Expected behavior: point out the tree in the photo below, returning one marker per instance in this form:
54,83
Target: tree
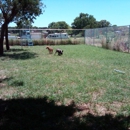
21,24
84,21
103,23
58,25
18,10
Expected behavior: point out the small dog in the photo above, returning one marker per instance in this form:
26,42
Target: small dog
59,51
50,49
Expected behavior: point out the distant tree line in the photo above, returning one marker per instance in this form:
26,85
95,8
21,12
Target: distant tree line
83,21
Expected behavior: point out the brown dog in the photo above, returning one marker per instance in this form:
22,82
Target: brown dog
50,49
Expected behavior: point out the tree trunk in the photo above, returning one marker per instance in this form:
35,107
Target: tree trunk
2,40
6,36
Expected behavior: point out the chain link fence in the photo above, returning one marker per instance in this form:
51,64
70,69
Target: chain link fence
115,38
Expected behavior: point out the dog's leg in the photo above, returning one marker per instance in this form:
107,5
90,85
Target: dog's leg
55,52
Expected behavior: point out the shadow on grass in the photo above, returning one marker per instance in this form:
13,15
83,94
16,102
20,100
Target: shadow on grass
17,83
4,78
20,56
15,50
42,114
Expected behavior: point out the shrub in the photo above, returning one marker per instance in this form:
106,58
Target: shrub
14,42
49,42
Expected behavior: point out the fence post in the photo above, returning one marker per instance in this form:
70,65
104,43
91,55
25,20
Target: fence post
129,40
84,36
106,32
93,36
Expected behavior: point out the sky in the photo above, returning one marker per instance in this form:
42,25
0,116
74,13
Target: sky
117,12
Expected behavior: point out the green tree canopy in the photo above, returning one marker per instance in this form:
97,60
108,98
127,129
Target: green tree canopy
84,21
103,23
23,24
58,25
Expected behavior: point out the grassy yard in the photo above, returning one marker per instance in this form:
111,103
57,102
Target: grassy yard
77,90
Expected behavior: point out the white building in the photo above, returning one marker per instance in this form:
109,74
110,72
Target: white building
58,36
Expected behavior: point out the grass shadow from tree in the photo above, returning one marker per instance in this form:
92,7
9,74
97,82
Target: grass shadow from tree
19,54
42,113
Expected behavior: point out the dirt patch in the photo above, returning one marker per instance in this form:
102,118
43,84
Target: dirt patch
96,109
2,85
7,92
3,77
2,72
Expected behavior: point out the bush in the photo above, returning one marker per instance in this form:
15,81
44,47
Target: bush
49,42
14,42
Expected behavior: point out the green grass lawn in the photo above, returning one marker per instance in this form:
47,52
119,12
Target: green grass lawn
84,75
